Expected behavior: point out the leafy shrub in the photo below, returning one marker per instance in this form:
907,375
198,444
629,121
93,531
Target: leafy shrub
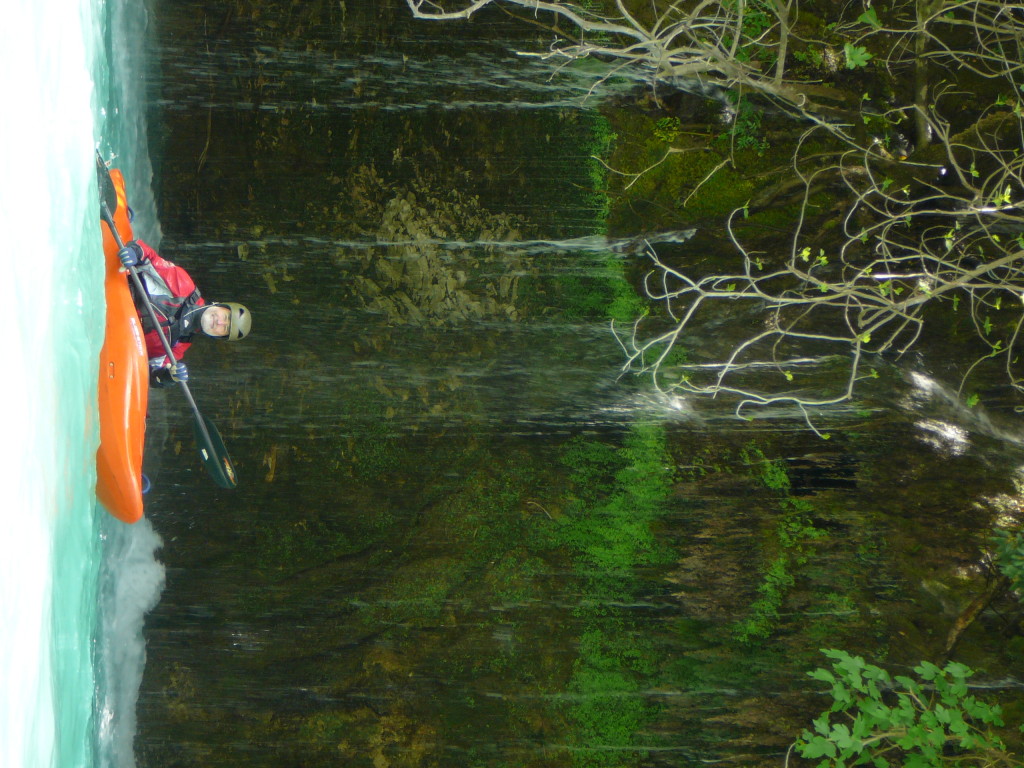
1010,557
883,721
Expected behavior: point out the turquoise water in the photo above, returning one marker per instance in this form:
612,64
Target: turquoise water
74,583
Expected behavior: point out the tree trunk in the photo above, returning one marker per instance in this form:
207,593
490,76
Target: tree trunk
971,612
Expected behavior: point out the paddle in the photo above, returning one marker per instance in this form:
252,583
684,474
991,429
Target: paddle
211,448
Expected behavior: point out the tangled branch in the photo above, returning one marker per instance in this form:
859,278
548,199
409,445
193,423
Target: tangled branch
719,45
915,237
935,224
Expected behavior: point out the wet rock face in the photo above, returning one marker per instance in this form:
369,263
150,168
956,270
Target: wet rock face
436,262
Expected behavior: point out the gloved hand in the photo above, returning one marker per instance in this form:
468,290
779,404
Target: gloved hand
179,372
131,255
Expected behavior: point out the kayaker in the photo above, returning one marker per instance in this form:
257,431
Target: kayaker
183,312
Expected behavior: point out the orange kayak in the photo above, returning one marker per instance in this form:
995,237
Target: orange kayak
124,382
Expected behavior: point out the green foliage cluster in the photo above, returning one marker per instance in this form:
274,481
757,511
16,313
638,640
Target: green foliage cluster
776,581
610,524
619,493
606,294
884,721
813,56
610,710
597,143
667,129
794,531
772,474
746,131
626,303
757,19
1010,556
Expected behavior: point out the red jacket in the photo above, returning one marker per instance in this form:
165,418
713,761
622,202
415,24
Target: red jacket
173,295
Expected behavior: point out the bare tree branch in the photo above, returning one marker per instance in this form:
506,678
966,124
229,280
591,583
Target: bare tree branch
939,230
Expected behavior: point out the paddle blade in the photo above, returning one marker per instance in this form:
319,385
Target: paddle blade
213,454
108,194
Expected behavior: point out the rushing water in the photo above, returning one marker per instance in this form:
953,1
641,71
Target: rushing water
68,626
53,295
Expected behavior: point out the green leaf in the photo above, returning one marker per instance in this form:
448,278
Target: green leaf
1004,198
821,725
909,684
823,675
818,746
876,673
846,662
856,56
841,694
959,672
870,18
873,713
842,737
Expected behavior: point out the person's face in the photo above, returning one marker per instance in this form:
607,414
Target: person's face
216,321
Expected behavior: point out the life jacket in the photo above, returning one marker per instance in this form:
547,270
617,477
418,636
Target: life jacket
178,315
